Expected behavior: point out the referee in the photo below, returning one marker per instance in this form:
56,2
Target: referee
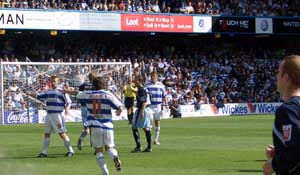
284,155
130,93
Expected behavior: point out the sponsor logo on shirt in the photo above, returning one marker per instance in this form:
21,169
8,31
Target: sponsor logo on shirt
287,132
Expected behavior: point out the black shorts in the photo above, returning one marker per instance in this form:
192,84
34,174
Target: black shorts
129,102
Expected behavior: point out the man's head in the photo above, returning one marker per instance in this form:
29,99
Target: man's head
129,80
54,81
153,76
288,76
92,75
99,83
139,80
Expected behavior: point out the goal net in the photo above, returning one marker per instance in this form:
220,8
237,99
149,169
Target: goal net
21,80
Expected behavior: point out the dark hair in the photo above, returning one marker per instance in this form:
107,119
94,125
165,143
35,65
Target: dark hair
140,78
154,72
98,83
54,77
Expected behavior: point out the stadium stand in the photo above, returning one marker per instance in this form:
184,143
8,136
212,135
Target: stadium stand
210,7
229,70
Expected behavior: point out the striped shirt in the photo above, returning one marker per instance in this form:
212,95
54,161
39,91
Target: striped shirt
99,104
156,92
55,100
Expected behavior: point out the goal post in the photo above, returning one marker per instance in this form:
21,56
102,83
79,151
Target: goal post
21,81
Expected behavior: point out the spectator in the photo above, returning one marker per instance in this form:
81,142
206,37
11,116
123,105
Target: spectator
174,108
18,100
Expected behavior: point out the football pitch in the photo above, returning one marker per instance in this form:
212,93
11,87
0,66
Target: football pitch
190,146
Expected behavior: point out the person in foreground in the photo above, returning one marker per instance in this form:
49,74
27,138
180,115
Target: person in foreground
56,103
141,118
284,155
99,103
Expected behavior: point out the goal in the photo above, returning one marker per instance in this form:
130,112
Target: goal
19,80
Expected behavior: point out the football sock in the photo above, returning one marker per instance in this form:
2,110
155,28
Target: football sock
156,134
46,145
68,144
136,136
112,152
101,163
83,134
148,138
130,116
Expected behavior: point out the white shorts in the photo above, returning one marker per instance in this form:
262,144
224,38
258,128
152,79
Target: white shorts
101,137
156,111
55,123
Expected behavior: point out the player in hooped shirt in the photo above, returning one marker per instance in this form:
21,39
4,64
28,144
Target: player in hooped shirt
99,103
157,93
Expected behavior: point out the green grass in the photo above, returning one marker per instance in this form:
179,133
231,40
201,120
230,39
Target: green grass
190,146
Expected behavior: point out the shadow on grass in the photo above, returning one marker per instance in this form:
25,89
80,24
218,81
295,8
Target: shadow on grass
242,170
250,171
238,170
50,156
32,157
249,161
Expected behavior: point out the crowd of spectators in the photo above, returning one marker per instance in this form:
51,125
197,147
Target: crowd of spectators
22,82
210,72
210,7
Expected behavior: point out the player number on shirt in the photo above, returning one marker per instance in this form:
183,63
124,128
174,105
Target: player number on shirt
96,106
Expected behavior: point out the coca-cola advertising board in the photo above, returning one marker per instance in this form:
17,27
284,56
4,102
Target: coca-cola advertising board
18,117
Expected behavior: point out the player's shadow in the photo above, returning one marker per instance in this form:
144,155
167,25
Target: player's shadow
237,170
50,156
249,171
250,160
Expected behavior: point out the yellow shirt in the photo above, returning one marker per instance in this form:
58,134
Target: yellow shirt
130,90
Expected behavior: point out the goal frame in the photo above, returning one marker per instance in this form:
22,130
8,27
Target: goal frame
2,64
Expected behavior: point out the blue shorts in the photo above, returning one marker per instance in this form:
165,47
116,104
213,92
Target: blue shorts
84,114
137,122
